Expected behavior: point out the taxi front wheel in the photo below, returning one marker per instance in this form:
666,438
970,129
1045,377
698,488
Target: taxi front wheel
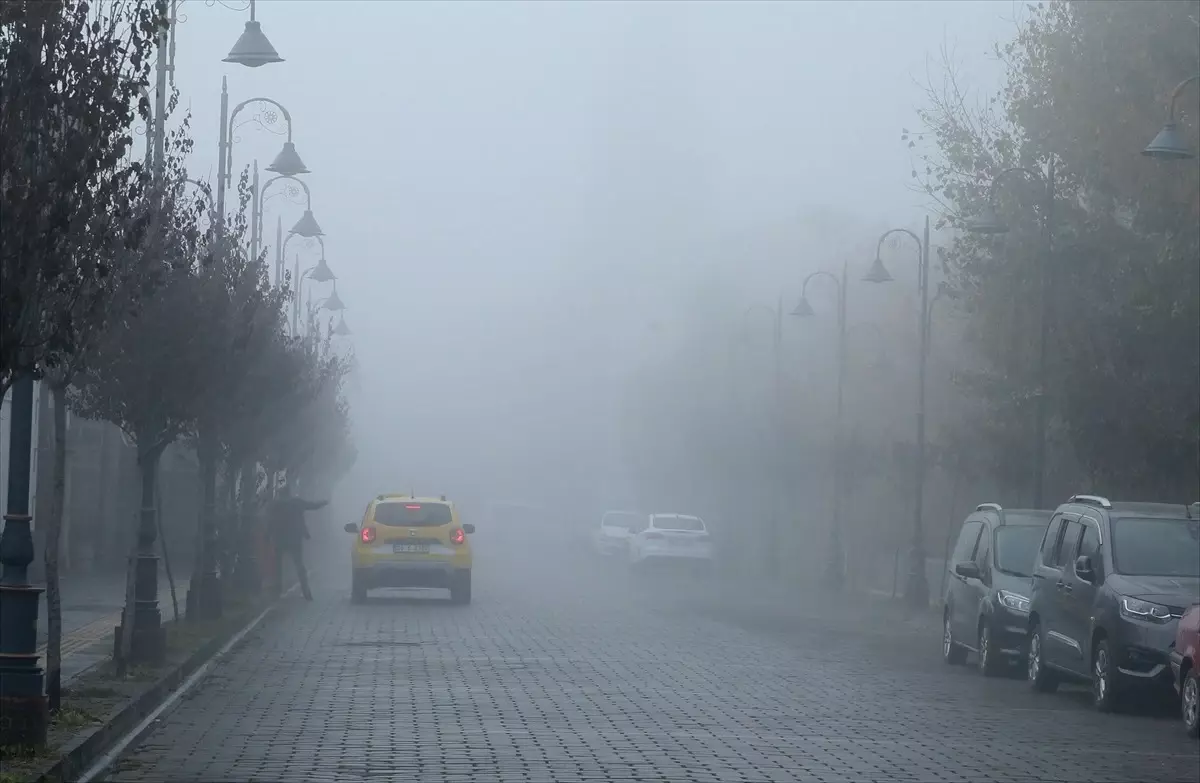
460,587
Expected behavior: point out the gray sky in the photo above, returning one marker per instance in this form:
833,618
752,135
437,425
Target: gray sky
512,191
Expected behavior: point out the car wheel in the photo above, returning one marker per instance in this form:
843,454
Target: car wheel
1190,703
989,662
358,589
460,588
1106,693
1040,678
953,653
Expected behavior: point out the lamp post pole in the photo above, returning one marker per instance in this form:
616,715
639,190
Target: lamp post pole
22,680
917,586
835,566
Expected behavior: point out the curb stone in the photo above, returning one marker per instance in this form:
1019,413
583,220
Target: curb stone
81,753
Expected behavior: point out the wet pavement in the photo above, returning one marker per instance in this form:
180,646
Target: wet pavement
583,674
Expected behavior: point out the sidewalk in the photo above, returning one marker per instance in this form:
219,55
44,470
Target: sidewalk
91,609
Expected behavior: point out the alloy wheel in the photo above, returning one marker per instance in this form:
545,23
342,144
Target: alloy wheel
1100,676
1035,656
1191,702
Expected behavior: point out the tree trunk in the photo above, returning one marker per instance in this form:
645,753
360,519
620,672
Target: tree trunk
53,538
99,529
162,540
203,590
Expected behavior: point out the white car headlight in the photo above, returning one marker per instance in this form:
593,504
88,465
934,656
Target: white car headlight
1144,610
1014,601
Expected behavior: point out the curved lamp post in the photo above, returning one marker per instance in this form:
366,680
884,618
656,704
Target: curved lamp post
917,589
306,226
287,162
836,564
989,222
1168,144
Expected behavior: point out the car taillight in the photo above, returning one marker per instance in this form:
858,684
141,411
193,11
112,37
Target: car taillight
368,535
459,536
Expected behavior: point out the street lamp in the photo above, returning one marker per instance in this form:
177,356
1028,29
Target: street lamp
306,226
320,273
252,48
287,162
1168,144
989,222
341,330
917,591
835,564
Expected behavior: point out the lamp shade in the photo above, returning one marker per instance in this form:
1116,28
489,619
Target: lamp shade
252,48
307,226
803,309
334,302
321,273
1168,145
878,272
287,162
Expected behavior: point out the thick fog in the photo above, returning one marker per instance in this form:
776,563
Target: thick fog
528,203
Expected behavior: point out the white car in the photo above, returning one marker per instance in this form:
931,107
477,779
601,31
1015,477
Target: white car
679,538
612,537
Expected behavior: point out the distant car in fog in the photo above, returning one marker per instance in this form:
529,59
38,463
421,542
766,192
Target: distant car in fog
407,541
616,529
666,538
986,604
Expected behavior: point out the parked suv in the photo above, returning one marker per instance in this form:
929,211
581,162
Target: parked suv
986,604
1109,586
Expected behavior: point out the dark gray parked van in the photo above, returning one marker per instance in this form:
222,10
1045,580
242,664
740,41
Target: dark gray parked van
986,604
1108,589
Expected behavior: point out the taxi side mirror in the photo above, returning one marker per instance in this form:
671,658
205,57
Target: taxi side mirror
468,528
350,527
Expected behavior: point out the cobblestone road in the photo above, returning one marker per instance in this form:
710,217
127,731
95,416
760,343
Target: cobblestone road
555,678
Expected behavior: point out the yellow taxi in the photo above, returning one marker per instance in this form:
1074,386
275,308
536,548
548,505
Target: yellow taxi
407,541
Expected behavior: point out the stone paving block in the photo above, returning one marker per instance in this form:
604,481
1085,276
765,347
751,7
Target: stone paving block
584,675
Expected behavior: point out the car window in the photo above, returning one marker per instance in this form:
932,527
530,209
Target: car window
410,514
1156,547
679,523
1050,542
964,550
1017,548
983,551
1065,552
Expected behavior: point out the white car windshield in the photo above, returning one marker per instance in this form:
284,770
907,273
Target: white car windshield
678,523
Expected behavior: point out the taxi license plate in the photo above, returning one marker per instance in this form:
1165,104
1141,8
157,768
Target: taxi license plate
410,549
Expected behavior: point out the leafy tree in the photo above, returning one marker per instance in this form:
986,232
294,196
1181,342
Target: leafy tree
245,318
1086,83
71,78
146,371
